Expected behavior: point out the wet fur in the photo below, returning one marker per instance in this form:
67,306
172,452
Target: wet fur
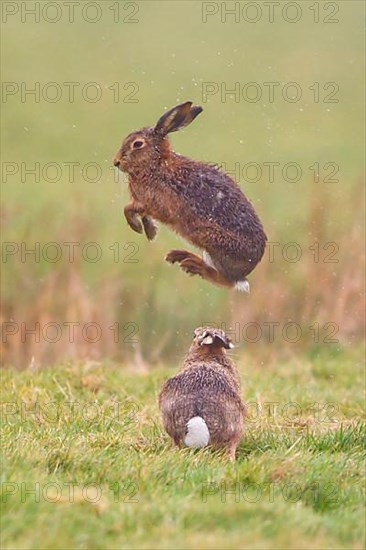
208,386
198,201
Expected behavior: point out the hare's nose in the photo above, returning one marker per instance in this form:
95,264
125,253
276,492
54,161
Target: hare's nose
116,162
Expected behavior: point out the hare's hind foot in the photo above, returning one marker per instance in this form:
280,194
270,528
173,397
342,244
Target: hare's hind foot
177,256
231,453
194,265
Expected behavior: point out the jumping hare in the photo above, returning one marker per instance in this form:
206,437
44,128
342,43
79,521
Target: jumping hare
201,405
197,200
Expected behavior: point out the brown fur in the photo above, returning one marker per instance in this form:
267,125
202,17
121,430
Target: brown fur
208,386
197,200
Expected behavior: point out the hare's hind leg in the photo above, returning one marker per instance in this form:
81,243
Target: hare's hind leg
231,270
231,452
194,265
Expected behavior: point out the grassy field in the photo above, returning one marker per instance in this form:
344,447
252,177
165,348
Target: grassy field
92,468
87,465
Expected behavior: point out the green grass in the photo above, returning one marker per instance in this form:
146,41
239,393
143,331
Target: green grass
298,481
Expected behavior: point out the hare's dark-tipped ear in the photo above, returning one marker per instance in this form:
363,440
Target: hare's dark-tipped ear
176,118
225,341
215,337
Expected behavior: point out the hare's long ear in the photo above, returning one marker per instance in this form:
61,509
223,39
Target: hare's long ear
225,342
176,118
216,337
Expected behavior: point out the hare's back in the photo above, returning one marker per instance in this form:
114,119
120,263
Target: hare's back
212,196
205,392
197,390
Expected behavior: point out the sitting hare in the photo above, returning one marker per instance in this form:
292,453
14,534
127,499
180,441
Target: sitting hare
201,405
196,199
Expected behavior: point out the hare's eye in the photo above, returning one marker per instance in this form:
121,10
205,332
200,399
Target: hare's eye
137,144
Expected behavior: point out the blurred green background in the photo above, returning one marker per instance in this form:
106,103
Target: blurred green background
168,54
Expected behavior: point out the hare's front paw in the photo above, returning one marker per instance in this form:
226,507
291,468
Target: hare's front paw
131,215
150,228
135,224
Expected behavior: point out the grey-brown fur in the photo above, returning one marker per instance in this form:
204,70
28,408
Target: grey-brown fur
207,386
197,200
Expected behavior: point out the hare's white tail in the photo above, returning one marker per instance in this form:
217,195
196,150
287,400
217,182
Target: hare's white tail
243,286
197,433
